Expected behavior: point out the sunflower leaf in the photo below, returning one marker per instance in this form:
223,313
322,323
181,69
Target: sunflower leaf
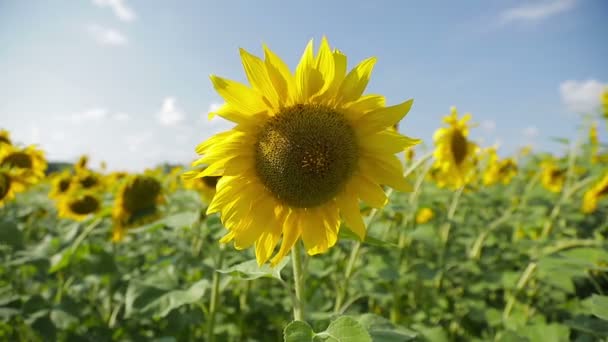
250,270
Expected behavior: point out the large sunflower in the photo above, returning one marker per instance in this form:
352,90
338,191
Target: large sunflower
11,182
29,160
306,147
79,204
136,203
455,155
593,195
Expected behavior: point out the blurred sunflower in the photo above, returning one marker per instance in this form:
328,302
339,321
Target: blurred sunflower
454,153
82,163
5,137
205,186
552,177
29,161
424,215
11,182
173,179
306,148
594,194
499,170
79,204
60,184
136,203
604,99
87,179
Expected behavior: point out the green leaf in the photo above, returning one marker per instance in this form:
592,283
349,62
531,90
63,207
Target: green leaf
10,234
348,234
249,270
148,300
298,331
382,330
546,332
599,306
346,329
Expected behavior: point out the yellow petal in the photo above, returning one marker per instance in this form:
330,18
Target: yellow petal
350,211
385,169
279,75
308,80
239,97
381,119
369,192
363,105
258,77
356,81
326,68
387,142
291,233
319,228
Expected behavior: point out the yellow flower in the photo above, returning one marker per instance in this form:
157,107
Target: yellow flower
60,184
87,179
594,142
29,161
205,186
81,164
604,99
524,151
5,137
593,195
11,182
454,153
306,148
136,203
424,215
79,204
499,170
552,177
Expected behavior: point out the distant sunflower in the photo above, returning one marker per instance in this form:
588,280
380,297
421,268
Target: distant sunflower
594,143
604,99
60,184
136,203
5,137
79,204
11,182
552,177
29,161
82,163
306,148
424,215
594,194
205,186
87,179
499,170
454,153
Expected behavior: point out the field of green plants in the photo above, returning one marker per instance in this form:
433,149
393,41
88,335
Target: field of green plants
511,261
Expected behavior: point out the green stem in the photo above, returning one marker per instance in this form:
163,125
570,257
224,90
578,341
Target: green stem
215,295
444,235
298,280
521,284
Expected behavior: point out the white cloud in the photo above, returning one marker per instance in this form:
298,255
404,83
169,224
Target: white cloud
93,114
530,132
108,36
488,126
581,96
537,11
170,114
135,141
119,7
121,117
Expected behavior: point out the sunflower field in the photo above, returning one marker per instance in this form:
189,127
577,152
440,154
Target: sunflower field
313,219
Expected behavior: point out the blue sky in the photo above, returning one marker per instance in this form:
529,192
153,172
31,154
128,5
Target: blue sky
126,81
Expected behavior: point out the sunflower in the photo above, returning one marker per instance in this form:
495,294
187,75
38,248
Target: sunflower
424,215
499,170
29,161
604,99
87,179
136,203
79,204
60,184
552,177
593,195
11,182
82,163
5,137
455,155
307,146
205,186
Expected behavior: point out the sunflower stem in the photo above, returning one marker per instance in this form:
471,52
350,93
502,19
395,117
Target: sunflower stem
215,295
444,235
298,280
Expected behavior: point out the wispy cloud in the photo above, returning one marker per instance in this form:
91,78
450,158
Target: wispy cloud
119,7
170,114
537,11
107,36
96,114
581,96
488,126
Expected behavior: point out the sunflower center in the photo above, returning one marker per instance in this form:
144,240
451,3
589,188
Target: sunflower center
141,194
458,146
4,139
89,181
305,155
84,205
5,185
18,159
63,185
